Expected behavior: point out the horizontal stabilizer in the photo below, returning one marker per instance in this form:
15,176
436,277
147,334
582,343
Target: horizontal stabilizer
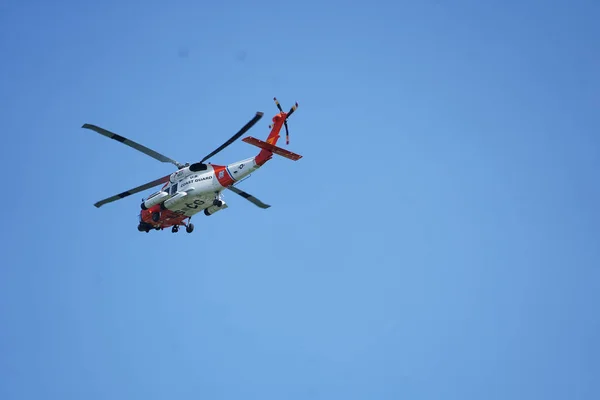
273,149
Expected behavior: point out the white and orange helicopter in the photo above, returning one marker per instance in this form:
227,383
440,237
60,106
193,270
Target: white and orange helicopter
198,187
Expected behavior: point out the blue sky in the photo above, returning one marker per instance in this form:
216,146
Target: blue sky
439,239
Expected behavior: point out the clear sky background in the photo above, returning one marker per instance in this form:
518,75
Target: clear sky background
439,240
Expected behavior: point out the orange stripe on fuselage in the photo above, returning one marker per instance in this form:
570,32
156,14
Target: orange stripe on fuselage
222,175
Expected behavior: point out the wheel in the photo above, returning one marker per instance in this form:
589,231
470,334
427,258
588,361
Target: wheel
189,228
155,216
217,203
175,229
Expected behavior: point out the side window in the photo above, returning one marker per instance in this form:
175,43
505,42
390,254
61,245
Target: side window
173,189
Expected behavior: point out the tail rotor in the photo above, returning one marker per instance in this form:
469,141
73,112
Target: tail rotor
269,147
287,132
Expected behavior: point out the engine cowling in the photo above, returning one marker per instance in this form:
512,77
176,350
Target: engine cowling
154,199
213,209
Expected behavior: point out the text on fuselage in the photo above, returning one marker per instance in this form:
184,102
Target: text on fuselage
196,180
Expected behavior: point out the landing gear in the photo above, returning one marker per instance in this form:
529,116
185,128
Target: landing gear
217,201
189,228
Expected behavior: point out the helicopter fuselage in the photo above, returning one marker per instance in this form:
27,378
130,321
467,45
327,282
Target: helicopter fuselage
190,190
199,186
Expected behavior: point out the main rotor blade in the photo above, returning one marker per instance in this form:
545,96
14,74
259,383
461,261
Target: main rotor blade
244,129
129,192
248,197
132,144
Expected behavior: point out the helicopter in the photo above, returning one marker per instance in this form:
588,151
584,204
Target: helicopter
198,186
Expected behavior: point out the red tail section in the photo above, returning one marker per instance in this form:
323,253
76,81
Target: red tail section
278,121
270,146
265,153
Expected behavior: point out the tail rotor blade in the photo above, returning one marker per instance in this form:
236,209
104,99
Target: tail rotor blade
287,133
294,108
277,103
